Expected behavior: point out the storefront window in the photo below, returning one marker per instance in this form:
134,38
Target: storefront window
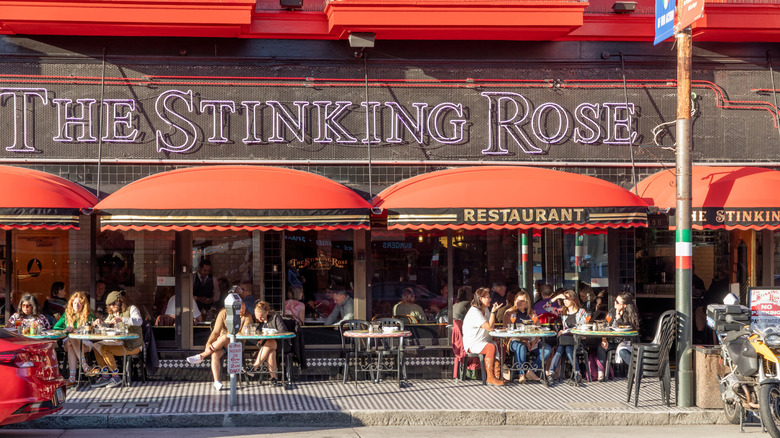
220,260
408,259
418,259
318,261
40,258
140,263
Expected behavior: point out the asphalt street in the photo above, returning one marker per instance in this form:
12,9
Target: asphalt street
694,431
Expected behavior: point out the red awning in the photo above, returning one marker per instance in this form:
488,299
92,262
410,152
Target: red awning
740,198
37,200
500,197
235,197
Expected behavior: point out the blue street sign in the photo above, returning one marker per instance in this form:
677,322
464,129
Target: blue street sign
664,20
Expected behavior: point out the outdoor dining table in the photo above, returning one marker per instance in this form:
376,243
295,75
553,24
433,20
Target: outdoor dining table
97,337
508,335
49,334
609,332
380,334
263,336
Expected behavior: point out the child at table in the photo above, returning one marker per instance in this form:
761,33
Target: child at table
623,314
76,315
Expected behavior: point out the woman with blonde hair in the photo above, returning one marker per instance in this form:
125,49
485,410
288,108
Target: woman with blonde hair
572,315
523,311
76,315
479,321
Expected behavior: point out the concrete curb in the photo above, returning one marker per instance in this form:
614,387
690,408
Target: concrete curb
358,418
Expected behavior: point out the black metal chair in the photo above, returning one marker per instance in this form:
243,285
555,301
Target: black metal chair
391,347
348,350
406,319
652,360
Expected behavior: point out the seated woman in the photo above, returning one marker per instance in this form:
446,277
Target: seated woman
218,340
27,313
573,314
118,311
624,314
269,319
294,306
76,315
524,312
479,321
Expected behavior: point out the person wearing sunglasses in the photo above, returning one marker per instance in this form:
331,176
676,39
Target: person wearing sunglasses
28,313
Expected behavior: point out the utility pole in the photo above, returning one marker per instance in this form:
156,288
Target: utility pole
683,241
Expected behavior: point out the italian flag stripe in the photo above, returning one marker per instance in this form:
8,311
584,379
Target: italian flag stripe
683,250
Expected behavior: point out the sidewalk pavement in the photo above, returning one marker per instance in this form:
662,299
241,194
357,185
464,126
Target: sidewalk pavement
446,402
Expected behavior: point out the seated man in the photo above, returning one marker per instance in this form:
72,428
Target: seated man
106,351
546,305
408,307
344,310
217,341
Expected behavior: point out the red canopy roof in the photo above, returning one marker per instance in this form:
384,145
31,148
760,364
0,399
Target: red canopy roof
37,200
493,197
234,197
722,197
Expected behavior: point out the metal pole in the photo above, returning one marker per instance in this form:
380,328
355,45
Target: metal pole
524,260
450,278
100,123
631,146
577,260
774,90
368,130
683,241
9,270
233,397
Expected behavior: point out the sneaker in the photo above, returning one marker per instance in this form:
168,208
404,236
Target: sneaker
101,382
521,379
114,382
217,385
196,359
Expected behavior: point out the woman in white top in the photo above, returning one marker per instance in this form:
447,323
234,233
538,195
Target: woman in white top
480,320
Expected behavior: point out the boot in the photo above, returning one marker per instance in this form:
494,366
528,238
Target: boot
497,370
490,371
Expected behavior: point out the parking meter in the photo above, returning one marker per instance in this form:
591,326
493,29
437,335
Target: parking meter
233,312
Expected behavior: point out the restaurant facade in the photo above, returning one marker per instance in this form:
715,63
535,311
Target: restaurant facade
433,165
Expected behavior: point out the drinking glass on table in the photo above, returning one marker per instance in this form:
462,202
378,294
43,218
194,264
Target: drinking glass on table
609,319
513,318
